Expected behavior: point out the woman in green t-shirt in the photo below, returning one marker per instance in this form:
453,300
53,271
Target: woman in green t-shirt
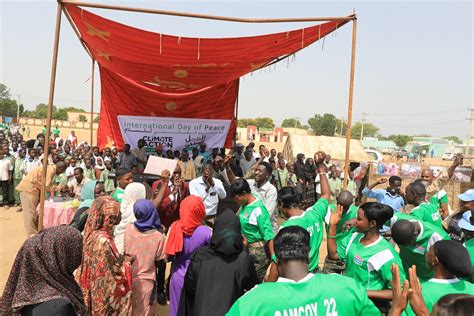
256,225
368,255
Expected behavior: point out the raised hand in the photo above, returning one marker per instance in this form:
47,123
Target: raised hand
319,157
227,160
336,216
400,296
165,176
417,302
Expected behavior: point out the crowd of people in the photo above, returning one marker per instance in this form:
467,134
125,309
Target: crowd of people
402,252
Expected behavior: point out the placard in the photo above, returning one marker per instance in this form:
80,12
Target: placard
173,133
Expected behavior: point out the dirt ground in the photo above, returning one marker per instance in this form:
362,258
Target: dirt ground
12,237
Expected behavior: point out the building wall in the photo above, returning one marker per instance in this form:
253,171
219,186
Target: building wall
82,130
74,116
277,135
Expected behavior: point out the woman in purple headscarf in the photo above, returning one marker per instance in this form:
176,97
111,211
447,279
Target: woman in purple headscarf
146,244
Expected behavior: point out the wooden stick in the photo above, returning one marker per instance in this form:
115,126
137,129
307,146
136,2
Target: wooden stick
76,30
92,102
236,115
50,115
203,16
349,110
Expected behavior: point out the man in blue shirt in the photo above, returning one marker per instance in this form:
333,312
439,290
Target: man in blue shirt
390,196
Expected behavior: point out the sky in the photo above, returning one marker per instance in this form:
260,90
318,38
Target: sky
413,75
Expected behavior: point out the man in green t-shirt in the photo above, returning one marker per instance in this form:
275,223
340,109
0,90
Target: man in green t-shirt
255,225
312,219
415,194
415,238
123,177
298,292
346,201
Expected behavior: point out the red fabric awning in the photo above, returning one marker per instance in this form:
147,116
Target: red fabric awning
150,74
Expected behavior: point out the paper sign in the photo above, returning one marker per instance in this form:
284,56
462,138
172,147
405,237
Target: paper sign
156,165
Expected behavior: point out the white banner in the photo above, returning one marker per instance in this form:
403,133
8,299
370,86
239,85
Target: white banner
173,133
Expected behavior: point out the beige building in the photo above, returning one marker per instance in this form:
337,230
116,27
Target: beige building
74,116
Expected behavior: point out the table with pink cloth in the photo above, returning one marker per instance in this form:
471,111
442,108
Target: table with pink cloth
57,213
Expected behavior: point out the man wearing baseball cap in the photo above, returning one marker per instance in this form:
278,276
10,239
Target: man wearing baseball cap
466,203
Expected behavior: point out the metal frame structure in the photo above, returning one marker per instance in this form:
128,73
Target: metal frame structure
60,9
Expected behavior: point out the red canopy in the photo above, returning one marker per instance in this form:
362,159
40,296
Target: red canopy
150,74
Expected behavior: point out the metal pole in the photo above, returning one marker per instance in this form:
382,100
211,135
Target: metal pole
50,114
351,95
362,129
92,102
204,16
468,140
74,27
236,117
18,110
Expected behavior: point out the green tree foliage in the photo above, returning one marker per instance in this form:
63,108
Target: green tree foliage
400,140
260,122
82,118
370,130
454,139
8,106
324,124
96,119
291,122
41,112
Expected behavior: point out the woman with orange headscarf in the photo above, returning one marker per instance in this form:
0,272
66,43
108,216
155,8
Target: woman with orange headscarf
184,237
104,276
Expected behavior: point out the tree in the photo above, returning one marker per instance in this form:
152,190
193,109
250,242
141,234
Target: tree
370,130
400,140
82,118
41,112
454,139
291,122
8,107
61,113
324,124
259,122
96,119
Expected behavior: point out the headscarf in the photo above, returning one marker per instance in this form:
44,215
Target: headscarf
310,169
226,237
191,213
133,192
97,166
454,257
104,279
146,215
88,194
43,271
101,214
